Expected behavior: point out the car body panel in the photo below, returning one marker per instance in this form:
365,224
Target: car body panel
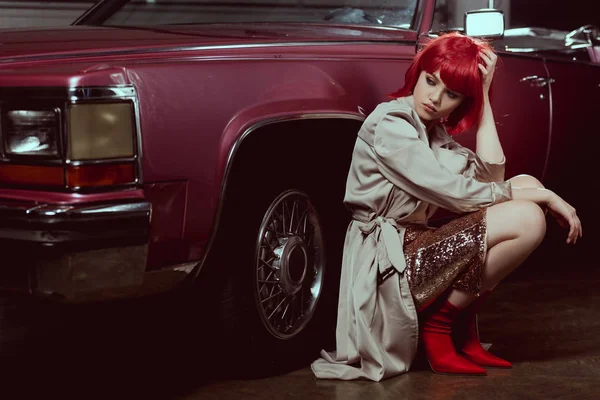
576,133
201,88
523,125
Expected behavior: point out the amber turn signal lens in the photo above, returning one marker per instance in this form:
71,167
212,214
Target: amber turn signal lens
100,175
32,175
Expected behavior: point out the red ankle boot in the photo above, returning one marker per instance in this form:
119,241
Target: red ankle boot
439,348
467,337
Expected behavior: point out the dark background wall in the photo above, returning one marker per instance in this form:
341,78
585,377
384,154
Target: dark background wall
558,14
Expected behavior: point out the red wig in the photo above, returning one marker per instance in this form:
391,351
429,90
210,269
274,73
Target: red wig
456,57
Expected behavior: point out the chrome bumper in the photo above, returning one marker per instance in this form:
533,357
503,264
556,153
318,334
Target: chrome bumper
74,253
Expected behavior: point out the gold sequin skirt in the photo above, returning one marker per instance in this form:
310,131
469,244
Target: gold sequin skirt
449,256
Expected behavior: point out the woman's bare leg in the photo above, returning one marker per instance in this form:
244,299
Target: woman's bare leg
514,229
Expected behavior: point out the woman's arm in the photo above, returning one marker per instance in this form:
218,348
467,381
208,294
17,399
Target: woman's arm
526,187
539,196
408,162
526,181
488,145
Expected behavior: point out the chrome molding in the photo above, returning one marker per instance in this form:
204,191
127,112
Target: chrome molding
106,209
73,211
97,93
67,93
51,225
551,121
234,149
392,41
75,95
418,16
92,162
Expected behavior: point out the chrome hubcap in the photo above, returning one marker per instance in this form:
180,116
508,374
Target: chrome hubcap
290,264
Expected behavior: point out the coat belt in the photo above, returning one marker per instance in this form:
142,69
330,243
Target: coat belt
387,234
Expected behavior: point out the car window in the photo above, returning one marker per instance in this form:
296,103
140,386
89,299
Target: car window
396,13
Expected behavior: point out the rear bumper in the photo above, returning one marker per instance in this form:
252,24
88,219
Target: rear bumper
74,253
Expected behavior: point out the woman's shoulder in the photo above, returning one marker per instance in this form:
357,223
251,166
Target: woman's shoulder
402,107
393,120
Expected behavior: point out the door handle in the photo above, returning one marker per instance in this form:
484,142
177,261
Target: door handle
537,81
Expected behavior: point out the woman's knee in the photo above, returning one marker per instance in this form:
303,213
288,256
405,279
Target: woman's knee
532,220
526,181
516,219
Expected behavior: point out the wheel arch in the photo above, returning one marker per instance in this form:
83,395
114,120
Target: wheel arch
256,134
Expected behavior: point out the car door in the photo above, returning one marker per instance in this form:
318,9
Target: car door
575,132
521,108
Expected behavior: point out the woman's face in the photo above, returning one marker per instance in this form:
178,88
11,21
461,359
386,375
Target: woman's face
433,100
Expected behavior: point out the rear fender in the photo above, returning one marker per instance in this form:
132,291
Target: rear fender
252,124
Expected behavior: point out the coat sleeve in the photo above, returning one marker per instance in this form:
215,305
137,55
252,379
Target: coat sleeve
478,168
408,162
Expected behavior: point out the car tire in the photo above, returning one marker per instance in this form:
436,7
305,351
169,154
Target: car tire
273,271
271,166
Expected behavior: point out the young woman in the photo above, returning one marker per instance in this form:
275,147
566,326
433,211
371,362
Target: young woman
397,272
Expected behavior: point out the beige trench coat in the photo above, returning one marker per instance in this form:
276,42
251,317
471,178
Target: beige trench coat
399,175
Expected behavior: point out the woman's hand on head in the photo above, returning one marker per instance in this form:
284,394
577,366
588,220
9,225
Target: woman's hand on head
566,216
489,58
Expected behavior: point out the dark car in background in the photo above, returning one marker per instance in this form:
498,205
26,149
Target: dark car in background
159,145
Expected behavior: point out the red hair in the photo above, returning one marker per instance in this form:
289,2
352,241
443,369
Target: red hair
456,56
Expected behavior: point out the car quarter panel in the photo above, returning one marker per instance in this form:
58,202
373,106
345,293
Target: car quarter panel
195,102
193,110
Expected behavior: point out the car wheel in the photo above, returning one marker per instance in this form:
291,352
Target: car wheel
270,261
288,265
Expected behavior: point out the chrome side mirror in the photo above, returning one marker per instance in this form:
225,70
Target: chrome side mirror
487,22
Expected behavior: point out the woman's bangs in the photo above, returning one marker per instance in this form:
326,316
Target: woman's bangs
460,77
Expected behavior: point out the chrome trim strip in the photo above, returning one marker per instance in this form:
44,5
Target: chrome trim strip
75,226
551,121
231,155
98,210
74,211
94,162
27,161
138,143
104,189
68,93
418,16
394,42
95,93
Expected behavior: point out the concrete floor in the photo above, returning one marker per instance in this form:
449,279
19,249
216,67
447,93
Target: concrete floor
548,328
544,319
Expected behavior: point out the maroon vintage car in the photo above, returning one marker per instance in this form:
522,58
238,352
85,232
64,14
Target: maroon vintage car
156,145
